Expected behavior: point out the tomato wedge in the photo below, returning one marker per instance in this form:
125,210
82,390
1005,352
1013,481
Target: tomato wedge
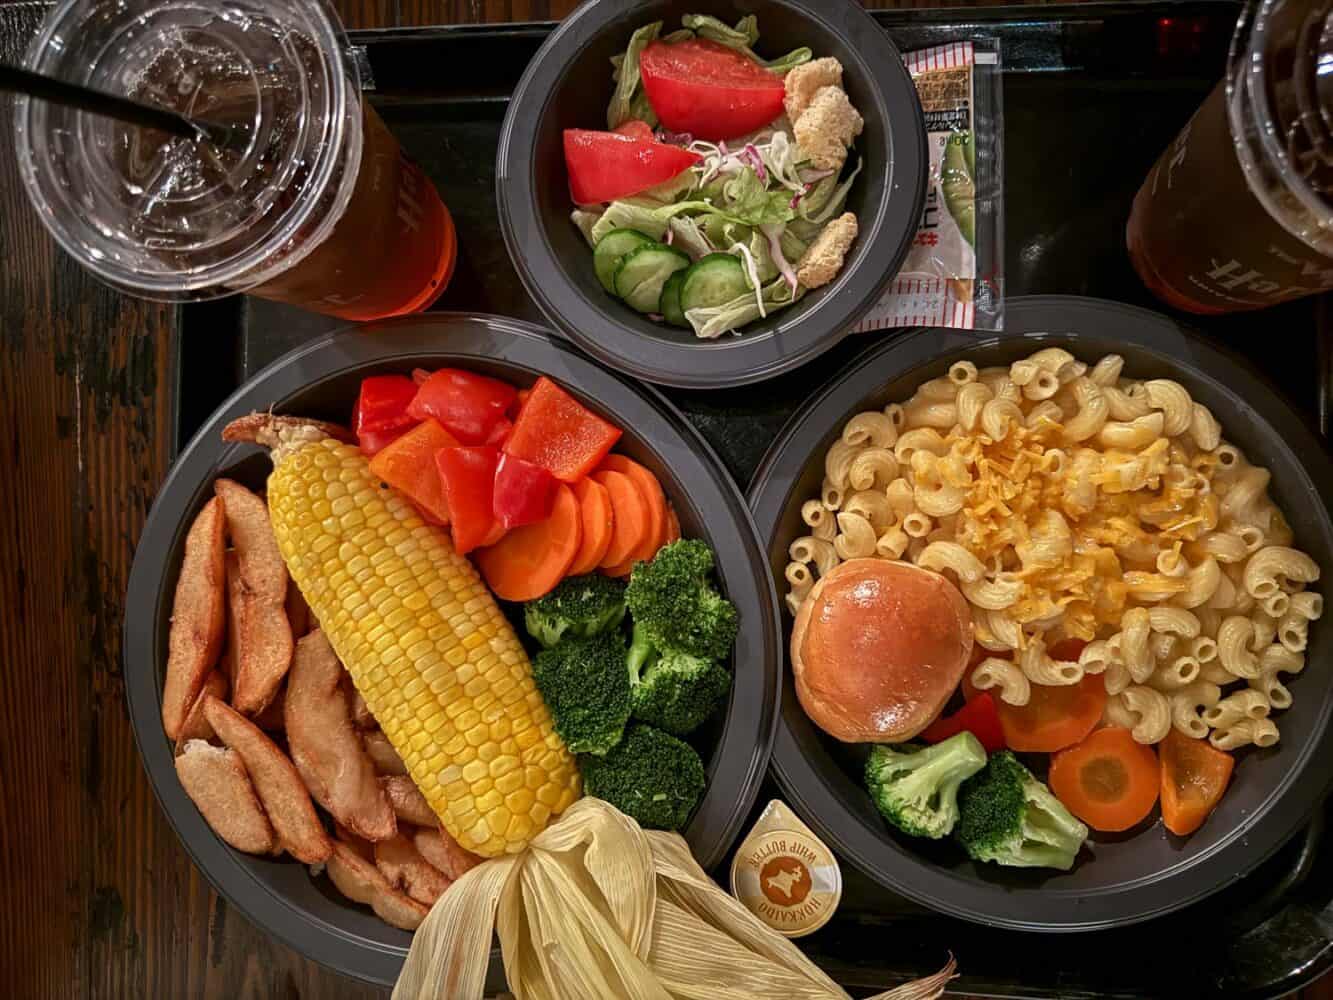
604,166
1194,776
636,129
709,90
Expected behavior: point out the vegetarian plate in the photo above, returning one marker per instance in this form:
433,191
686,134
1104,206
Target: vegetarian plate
1051,620
405,640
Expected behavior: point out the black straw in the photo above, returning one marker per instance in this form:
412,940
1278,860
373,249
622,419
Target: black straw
112,106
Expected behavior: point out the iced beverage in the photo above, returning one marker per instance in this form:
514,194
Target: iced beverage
1236,214
316,206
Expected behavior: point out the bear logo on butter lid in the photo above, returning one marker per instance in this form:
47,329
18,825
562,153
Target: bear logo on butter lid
785,875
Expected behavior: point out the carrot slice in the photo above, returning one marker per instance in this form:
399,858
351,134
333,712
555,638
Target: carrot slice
408,464
630,519
598,522
1055,717
1194,776
1109,781
653,496
673,526
530,560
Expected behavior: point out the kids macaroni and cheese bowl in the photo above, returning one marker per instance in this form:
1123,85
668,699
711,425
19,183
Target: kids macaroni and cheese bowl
1281,754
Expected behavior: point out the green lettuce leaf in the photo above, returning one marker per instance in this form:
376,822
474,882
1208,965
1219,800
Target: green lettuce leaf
749,200
713,321
622,107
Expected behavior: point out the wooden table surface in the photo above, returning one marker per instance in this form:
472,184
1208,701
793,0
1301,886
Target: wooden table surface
100,898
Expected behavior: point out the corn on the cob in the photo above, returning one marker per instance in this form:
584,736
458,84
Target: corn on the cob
425,643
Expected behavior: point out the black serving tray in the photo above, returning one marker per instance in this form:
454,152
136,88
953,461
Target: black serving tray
1092,94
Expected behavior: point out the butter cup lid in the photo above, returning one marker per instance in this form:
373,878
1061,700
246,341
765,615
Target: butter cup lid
785,875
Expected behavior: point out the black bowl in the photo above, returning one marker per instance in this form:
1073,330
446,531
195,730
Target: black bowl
568,85
321,380
1121,878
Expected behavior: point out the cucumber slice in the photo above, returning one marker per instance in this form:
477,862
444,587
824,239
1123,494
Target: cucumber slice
669,307
643,272
712,281
610,249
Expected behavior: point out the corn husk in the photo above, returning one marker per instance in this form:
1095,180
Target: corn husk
597,907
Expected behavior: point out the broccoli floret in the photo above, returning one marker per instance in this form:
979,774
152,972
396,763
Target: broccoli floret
586,687
580,606
1009,817
677,608
916,788
673,690
650,775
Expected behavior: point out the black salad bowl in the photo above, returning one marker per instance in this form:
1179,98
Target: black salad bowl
568,84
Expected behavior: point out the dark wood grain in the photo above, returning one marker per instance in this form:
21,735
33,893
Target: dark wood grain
100,898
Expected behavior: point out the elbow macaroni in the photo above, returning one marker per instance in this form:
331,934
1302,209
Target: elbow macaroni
1070,502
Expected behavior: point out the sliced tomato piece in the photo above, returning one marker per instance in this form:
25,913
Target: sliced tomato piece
636,129
604,166
709,90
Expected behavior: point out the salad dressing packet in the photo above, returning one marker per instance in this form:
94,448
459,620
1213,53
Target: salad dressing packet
952,275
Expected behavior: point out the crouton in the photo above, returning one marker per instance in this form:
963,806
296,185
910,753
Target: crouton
823,259
827,127
803,81
216,781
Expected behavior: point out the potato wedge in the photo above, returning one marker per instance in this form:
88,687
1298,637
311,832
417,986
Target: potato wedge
360,881
195,726
326,748
280,788
409,872
298,612
216,781
235,611
361,845
382,753
409,805
445,853
360,710
198,616
264,640
272,718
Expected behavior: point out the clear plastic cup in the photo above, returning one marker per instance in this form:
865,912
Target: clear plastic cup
1238,212
321,209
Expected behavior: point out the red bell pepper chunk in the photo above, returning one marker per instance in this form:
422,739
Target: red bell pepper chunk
499,433
380,415
709,90
524,493
604,166
468,476
557,432
977,716
408,465
466,404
